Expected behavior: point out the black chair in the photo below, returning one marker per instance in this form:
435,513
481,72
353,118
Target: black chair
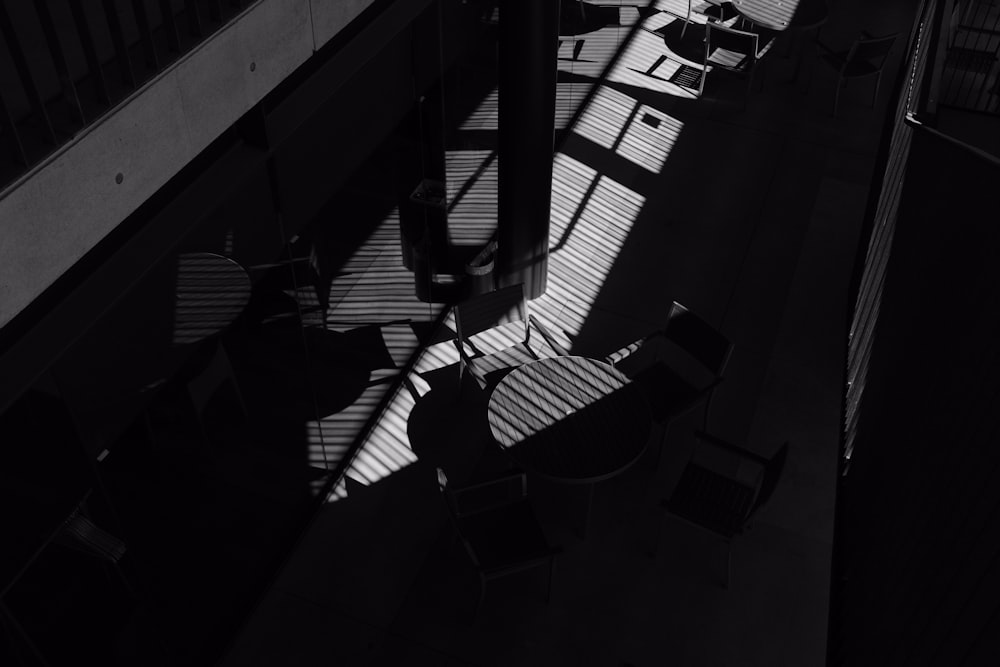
80,533
716,11
498,528
865,57
504,347
723,487
734,51
677,368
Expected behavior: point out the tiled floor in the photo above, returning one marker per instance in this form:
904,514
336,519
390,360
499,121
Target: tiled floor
750,217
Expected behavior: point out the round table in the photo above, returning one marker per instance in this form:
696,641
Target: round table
153,334
570,419
211,291
783,14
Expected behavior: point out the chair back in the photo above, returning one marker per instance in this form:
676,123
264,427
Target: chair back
729,39
772,474
82,534
697,338
486,311
216,371
470,500
872,50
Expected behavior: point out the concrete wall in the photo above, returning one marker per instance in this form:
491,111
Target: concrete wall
61,209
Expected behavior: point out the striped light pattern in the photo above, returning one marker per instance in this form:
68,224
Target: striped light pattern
211,292
591,218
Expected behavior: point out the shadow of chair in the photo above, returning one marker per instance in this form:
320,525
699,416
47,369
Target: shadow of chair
734,51
677,368
500,323
865,57
498,528
722,487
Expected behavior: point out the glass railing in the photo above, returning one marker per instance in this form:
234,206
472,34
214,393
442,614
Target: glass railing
65,63
961,80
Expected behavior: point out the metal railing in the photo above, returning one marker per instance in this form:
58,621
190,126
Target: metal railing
64,63
967,63
870,269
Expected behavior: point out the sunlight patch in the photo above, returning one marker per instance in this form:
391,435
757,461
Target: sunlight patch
595,219
605,116
586,55
649,138
387,447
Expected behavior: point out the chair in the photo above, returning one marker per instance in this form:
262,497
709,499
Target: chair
217,371
677,368
498,528
490,313
717,11
735,51
80,533
723,487
865,57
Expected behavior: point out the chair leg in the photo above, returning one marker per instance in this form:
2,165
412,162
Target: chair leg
482,596
659,448
9,621
729,564
687,21
121,577
590,506
552,570
836,96
878,82
656,538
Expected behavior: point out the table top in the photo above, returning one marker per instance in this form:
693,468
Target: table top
211,292
784,14
570,419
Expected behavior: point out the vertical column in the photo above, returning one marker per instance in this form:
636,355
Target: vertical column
529,41
423,215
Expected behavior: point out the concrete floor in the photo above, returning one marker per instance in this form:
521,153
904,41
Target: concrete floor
748,216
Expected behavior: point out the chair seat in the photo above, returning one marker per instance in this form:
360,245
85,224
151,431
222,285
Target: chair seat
711,500
855,68
82,534
667,393
505,536
730,60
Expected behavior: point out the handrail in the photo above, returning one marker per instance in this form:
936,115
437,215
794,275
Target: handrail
941,20
914,122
